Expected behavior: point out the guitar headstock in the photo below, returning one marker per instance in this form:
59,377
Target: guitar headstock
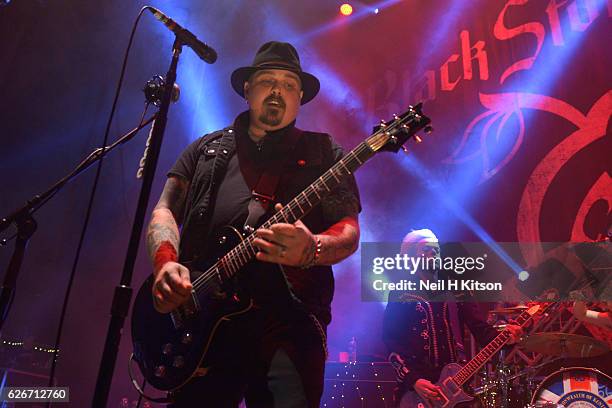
391,135
533,310
540,308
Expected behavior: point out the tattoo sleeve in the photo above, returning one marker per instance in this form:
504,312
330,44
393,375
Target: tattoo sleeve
339,204
163,230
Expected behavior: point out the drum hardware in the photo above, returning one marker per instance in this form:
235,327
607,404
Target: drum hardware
531,370
500,326
564,344
563,388
503,372
501,388
509,310
519,385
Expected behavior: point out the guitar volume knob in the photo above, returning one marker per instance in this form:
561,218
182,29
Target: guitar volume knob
178,362
160,371
187,338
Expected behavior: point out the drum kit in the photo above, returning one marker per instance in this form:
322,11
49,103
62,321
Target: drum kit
508,385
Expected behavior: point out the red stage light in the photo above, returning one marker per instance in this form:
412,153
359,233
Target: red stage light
346,9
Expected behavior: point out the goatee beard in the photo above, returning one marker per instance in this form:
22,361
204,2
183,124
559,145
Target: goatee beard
271,117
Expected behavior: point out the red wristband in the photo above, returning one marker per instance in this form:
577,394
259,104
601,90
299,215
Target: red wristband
165,253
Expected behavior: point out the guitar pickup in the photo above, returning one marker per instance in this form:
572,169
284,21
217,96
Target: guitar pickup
188,309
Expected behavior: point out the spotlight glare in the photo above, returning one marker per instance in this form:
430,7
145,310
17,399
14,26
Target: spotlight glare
346,9
376,10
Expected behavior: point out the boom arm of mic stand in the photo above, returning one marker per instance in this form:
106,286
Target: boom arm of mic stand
34,203
26,225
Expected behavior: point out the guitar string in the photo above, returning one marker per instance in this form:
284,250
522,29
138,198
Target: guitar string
199,283
247,244
206,280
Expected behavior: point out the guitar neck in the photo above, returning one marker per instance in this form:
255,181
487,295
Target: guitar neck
475,364
312,195
387,136
297,208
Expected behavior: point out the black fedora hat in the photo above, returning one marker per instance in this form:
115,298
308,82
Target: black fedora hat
277,55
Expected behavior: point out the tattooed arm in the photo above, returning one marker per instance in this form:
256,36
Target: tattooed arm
295,245
339,241
166,218
172,285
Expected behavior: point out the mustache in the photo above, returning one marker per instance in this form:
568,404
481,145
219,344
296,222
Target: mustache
273,98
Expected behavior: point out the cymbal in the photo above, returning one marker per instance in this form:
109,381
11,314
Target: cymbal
509,310
564,344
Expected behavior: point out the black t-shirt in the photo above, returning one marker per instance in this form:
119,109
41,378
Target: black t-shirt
304,157
232,198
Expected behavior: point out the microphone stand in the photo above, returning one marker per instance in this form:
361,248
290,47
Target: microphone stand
26,225
123,293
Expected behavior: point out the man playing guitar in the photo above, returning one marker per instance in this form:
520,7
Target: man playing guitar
271,356
420,334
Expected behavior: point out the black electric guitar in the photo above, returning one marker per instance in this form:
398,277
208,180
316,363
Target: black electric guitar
172,348
454,376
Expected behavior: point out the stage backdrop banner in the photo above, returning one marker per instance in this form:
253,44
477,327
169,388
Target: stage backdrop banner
520,97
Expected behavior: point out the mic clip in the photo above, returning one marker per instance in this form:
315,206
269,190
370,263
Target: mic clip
154,89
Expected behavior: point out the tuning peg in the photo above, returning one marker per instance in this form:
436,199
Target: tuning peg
418,138
383,123
428,129
395,116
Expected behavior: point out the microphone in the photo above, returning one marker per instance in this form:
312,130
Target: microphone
204,51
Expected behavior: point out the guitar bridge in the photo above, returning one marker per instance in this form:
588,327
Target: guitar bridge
177,318
193,305
451,386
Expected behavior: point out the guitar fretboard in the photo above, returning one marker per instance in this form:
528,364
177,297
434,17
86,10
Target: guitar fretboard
487,352
241,254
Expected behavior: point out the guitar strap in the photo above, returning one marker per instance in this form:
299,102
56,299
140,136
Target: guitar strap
453,312
263,193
